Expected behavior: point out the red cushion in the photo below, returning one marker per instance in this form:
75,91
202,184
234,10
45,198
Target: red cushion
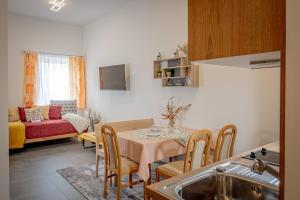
55,112
22,114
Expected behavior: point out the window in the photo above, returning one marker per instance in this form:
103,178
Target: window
53,79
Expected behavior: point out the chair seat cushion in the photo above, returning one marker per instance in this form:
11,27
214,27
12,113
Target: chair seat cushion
128,166
173,168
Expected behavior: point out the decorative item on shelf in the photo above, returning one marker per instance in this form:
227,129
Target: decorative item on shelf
180,83
176,53
169,82
183,61
158,74
168,73
172,112
159,56
163,64
183,50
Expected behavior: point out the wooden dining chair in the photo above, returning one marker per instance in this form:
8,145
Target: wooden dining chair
118,126
99,147
225,143
196,156
115,165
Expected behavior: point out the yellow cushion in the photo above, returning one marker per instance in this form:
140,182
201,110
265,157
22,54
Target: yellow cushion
13,115
89,136
173,168
16,135
45,111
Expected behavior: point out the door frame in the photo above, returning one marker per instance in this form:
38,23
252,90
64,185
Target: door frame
282,103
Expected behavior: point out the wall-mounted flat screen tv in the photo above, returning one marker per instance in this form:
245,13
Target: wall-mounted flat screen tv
115,77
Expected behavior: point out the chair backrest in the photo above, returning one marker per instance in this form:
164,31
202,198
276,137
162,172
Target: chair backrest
196,155
130,125
225,143
111,148
99,140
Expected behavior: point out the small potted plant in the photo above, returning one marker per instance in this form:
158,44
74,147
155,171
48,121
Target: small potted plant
159,56
159,73
176,53
172,112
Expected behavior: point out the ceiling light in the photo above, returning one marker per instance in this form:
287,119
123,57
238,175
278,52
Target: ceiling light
56,5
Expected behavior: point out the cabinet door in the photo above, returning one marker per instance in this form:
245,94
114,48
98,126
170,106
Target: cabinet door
222,28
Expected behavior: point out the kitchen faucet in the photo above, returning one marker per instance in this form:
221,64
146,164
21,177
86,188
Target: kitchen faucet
259,166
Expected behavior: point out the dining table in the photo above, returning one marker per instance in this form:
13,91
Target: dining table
147,151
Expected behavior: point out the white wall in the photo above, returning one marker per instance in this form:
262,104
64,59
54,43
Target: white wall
135,34
292,136
31,34
4,172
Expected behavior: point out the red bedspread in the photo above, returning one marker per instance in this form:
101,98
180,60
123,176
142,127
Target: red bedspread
48,128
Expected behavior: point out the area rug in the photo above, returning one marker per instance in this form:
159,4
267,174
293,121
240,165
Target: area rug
84,180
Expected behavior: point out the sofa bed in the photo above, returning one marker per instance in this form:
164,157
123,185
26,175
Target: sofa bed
46,123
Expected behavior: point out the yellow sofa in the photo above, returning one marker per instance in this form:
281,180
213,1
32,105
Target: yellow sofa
16,135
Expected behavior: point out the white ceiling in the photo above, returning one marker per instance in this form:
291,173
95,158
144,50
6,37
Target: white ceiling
77,12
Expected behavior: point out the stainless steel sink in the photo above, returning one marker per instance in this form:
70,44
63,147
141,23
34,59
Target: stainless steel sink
220,186
228,181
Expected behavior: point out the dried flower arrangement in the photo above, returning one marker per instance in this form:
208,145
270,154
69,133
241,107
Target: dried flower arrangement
172,112
183,49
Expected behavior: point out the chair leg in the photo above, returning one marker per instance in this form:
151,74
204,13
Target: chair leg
118,181
97,165
145,195
150,173
130,180
105,183
157,175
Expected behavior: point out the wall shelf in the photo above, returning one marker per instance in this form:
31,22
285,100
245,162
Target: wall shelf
176,72
175,67
172,77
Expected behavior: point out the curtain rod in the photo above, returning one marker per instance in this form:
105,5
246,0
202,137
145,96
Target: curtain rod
50,53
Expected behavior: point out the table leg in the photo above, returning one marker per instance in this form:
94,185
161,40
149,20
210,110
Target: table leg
150,173
83,143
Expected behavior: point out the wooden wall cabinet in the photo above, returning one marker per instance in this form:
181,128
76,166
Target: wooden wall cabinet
223,28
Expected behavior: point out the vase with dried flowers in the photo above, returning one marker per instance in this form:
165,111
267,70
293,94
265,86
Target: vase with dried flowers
183,50
172,112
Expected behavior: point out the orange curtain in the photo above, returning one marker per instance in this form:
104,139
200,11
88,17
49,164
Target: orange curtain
77,80
30,67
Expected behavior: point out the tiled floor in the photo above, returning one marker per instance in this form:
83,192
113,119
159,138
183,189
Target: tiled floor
33,173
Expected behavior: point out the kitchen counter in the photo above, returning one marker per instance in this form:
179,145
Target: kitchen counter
153,192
